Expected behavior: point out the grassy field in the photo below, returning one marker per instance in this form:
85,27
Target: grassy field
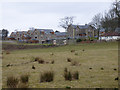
95,56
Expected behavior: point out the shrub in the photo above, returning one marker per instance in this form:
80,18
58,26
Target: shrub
102,68
76,75
69,59
67,87
41,61
12,82
78,40
116,78
37,58
65,70
68,75
83,50
47,76
24,78
8,65
52,62
90,68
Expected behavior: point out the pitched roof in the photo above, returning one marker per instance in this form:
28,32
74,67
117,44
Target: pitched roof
60,33
47,31
83,26
80,26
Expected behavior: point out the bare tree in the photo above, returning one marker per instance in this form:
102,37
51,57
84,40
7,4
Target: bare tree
66,21
96,21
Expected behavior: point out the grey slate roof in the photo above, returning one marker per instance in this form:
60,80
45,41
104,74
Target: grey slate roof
80,26
60,33
47,31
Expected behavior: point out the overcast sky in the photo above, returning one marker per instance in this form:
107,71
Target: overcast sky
46,15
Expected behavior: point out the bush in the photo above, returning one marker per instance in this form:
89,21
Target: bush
69,59
52,62
12,82
67,87
78,40
24,78
68,76
76,75
47,76
41,61
65,70
37,59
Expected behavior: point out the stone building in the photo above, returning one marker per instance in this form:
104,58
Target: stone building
81,31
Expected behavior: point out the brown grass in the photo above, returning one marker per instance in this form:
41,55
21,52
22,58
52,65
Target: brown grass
72,50
47,76
12,82
76,75
24,78
75,63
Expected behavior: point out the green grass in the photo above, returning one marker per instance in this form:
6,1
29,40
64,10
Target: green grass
95,56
